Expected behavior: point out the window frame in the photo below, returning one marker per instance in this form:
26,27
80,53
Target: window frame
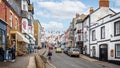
11,20
93,35
115,31
86,36
103,34
116,51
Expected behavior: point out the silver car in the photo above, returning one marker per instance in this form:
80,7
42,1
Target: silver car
74,52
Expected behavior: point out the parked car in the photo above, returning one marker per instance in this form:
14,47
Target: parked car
58,50
66,50
74,52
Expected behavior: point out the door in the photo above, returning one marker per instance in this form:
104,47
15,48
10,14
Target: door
103,52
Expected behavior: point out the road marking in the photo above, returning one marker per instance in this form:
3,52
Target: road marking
51,64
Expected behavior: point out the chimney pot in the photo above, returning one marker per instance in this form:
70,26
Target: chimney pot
104,3
91,10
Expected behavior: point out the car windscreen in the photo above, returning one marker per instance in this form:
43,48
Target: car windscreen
75,49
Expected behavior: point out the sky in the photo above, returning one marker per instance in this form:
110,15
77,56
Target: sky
55,15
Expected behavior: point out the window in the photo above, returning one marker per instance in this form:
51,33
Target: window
117,50
24,6
10,19
2,37
93,35
103,32
94,51
16,26
117,28
85,36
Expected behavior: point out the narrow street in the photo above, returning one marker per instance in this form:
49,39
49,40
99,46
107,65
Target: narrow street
31,31
61,60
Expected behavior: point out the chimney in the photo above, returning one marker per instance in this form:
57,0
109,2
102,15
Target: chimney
91,10
104,3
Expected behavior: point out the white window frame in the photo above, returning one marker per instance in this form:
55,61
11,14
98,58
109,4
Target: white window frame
16,26
117,28
116,51
93,35
85,36
24,7
103,32
11,19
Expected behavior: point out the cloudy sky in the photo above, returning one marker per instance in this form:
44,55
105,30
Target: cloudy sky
56,15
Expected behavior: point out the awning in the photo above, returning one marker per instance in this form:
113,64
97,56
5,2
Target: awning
20,36
32,37
32,41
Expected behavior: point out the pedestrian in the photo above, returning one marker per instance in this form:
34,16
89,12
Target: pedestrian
8,54
1,53
49,54
13,50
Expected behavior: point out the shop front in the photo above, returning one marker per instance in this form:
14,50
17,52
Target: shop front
21,41
31,44
3,31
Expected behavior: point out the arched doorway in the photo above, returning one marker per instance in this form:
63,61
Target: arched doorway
103,52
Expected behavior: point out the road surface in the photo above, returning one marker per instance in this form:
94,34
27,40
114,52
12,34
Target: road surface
61,60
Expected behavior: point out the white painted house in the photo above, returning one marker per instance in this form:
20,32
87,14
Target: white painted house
104,33
86,37
101,33
105,38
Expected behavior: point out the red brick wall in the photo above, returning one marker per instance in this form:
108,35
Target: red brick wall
5,10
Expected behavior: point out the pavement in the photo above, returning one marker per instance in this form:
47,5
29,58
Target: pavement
102,63
87,58
21,61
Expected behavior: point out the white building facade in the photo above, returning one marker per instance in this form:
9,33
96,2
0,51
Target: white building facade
86,37
105,38
79,35
101,34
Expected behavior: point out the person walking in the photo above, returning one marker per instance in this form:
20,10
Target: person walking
49,54
13,50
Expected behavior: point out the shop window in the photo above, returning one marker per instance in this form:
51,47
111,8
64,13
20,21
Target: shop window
2,37
117,50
